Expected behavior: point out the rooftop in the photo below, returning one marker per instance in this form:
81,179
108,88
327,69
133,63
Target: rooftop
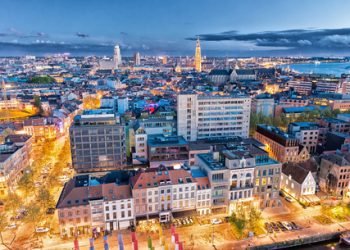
212,163
161,141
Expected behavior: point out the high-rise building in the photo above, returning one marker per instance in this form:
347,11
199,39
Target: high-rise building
97,141
212,116
137,58
198,57
117,57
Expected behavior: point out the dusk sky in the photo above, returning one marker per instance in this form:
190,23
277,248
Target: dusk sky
226,28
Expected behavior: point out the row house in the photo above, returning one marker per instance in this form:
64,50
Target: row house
298,181
47,128
162,192
94,203
334,175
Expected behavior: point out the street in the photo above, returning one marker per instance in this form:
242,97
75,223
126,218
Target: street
44,185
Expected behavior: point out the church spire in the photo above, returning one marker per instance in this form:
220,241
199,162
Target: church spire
198,57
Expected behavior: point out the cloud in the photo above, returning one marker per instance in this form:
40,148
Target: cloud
305,43
335,41
14,33
293,39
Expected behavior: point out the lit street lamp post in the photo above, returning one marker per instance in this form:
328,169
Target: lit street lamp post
212,236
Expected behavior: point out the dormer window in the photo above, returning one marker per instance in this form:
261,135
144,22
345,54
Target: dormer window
243,163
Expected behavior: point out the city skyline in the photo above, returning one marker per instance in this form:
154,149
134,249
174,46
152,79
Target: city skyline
248,28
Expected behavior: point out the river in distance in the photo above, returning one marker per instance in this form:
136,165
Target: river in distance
323,68
328,245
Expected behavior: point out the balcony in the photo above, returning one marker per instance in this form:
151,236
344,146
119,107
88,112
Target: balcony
247,186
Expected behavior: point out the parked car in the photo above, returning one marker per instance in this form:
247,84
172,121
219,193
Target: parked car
50,210
216,221
274,227
295,226
268,227
289,199
287,225
281,226
42,229
11,226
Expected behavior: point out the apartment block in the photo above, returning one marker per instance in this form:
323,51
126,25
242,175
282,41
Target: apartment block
307,133
281,146
212,116
97,141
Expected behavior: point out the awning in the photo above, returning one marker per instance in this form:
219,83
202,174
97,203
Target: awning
311,198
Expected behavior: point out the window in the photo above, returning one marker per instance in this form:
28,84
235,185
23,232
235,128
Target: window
257,182
122,214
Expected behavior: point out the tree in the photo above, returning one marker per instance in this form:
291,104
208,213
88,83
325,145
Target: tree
91,102
3,225
26,184
44,197
255,219
33,214
37,104
42,79
238,221
13,202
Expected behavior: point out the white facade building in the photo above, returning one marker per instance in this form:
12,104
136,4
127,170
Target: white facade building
118,207
297,181
203,196
212,116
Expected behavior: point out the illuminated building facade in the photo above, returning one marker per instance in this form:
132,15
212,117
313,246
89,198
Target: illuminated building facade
198,57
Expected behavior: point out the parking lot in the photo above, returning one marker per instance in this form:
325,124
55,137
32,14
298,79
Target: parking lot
281,226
